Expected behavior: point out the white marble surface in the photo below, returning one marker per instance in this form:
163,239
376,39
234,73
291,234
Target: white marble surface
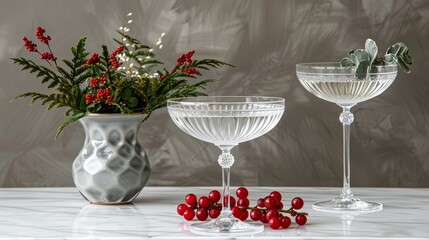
61,213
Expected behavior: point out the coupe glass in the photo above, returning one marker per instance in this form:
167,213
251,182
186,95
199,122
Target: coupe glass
226,122
340,85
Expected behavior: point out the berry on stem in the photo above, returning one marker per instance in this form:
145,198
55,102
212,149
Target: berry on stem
242,192
214,196
204,202
236,212
276,195
189,214
301,219
182,208
297,203
270,202
231,201
261,202
273,213
275,223
243,202
285,222
214,212
256,214
191,200
202,214
244,215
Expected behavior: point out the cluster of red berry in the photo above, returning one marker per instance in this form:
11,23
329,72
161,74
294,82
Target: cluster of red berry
267,210
31,47
44,39
95,81
48,56
40,35
187,57
113,60
95,58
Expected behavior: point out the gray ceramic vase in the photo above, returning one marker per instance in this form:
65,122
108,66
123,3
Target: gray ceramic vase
112,167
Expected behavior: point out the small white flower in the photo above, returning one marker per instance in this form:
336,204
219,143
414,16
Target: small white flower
126,29
121,28
140,59
134,46
129,14
130,21
131,65
131,52
156,74
147,57
128,59
127,44
158,43
124,39
151,50
160,46
138,75
163,34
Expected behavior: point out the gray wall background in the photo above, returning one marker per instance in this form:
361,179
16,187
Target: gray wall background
264,39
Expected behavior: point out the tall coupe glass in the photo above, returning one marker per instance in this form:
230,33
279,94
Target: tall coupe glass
340,85
226,122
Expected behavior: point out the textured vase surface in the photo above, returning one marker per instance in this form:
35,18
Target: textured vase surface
112,167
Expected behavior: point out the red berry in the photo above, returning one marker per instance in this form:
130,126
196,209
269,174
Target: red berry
285,222
276,195
242,192
273,213
255,214
202,214
301,219
243,202
204,202
182,208
189,214
214,196
244,215
236,212
280,206
270,202
261,202
264,218
274,223
214,212
191,199
231,201
297,203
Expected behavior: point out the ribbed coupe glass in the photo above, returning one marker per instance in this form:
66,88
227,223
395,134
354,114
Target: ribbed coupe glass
342,86
226,122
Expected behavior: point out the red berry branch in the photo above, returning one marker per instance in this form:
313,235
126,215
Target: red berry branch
267,210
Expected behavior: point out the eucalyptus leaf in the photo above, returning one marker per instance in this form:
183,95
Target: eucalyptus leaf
403,65
127,94
390,58
359,56
371,48
346,62
362,69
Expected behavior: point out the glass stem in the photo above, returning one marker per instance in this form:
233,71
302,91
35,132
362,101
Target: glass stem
346,118
225,161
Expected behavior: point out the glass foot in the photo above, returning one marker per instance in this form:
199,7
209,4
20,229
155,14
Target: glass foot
228,226
347,204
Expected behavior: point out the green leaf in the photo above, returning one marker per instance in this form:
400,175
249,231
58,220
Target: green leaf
390,58
133,102
127,94
372,49
359,56
346,62
362,69
73,118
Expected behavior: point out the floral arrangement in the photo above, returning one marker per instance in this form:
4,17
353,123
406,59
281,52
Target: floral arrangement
122,81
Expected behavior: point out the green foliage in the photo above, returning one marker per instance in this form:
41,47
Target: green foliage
366,59
135,87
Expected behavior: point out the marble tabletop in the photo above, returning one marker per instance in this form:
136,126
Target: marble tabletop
61,213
